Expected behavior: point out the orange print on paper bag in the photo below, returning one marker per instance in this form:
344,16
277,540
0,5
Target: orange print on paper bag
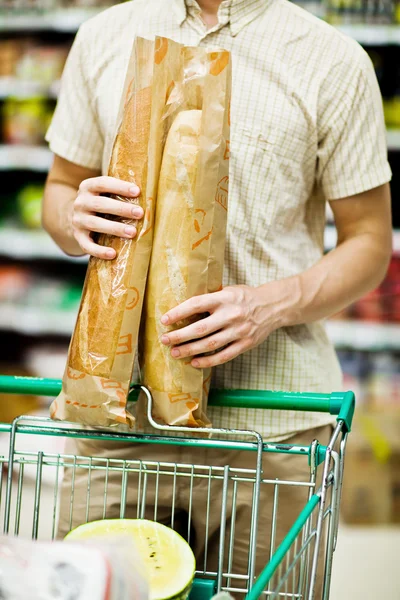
133,298
161,49
125,344
221,195
219,60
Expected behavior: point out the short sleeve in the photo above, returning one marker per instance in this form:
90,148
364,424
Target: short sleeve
74,133
352,147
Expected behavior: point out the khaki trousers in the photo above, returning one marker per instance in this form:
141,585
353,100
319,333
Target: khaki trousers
204,532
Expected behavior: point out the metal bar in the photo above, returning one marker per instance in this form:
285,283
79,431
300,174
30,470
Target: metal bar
11,451
342,454
38,488
254,516
274,520
124,491
105,494
71,499
173,499
332,527
207,517
88,489
55,500
279,555
222,529
19,499
48,428
190,503
156,492
325,485
232,532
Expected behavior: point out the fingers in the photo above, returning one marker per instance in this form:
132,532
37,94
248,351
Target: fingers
86,202
197,330
109,185
205,345
227,354
189,308
90,247
91,222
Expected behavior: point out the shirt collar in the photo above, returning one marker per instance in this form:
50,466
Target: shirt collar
238,13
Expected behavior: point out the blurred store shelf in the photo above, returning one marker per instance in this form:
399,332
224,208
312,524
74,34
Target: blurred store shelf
331,238
33,321
17,88
372,35
362,335
30,244
32,158
393,137
68,21
65,21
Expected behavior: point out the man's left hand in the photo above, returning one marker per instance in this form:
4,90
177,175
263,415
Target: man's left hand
239,318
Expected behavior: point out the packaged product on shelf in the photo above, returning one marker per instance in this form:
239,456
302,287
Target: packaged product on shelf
178,97
42,64
25,121
29,200
10,52
14,283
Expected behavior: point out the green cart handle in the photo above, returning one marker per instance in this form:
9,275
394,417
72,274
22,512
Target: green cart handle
341,404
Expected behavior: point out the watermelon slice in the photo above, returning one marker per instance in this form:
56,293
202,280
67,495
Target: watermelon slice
167,557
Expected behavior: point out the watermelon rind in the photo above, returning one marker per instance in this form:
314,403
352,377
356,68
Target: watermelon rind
178,577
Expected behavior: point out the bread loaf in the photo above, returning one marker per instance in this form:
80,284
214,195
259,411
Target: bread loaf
168,274
106,292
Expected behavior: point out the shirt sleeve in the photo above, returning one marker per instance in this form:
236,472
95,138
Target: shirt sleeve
74,133
352,150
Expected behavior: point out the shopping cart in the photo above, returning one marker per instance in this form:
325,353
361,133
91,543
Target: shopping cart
293,565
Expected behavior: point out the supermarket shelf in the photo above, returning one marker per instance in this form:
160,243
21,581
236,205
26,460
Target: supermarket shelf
331,238
32,158
393,138
33,321
372,35
30,244
11,86
362,335
65,21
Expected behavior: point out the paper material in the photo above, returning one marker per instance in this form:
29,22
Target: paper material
189,235
164,80
107,570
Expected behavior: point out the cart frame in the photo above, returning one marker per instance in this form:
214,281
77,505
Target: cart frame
292,569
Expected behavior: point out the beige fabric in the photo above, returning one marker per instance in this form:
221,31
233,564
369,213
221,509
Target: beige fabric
307,125
284,467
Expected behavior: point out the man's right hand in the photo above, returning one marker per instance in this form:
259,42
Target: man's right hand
90,210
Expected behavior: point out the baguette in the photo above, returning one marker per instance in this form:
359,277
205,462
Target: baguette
106,292
168,275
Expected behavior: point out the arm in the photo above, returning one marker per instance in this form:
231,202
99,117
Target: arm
242,317
73,208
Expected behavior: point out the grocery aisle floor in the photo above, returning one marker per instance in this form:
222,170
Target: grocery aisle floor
366,564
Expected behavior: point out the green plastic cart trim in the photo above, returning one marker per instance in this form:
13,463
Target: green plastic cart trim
268,572
341,404
203,589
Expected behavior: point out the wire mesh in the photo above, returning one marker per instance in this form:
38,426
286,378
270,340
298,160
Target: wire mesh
212,506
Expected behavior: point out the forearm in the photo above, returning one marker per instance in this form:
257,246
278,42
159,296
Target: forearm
340,278
57,215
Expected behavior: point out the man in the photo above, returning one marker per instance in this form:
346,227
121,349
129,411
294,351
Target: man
307,127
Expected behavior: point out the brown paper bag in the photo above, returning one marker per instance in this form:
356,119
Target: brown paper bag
189,235
163,79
